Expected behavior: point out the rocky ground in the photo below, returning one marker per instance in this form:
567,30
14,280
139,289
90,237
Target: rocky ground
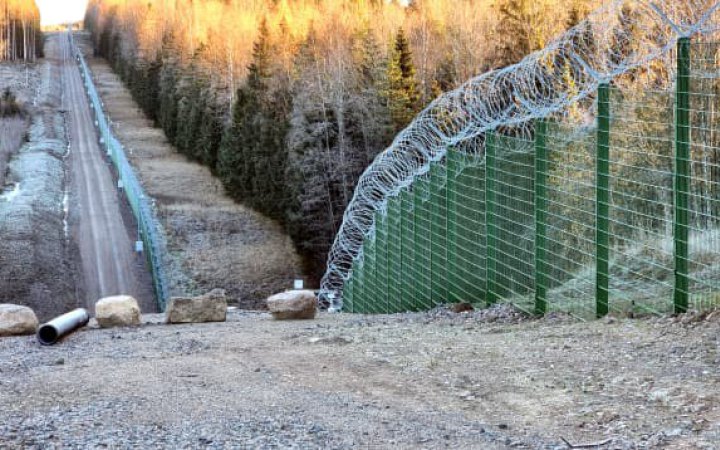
487,380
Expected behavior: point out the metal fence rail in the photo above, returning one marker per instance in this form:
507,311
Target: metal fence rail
149,228
619,216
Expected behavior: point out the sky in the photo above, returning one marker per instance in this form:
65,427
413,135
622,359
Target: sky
53,12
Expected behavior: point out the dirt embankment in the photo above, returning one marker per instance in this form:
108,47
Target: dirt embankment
37,260
483,380
213,242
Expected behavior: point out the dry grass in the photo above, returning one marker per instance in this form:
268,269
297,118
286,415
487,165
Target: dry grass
215,242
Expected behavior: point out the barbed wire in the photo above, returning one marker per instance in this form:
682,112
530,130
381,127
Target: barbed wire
614,40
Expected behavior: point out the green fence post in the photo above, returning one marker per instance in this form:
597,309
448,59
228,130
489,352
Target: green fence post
682,175
602,191
541,167
490,288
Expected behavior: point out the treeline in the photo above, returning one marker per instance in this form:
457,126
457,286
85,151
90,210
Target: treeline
288,101
20,35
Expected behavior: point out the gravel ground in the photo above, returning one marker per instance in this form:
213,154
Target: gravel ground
487,380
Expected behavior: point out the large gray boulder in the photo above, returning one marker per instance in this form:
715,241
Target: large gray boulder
211,307
117,311
17,320
290,305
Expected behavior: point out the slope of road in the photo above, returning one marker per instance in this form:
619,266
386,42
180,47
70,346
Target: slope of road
104,234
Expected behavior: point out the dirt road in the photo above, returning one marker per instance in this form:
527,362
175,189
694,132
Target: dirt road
105,238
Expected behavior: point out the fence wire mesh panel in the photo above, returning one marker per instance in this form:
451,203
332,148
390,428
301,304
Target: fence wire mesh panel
570,220
149,229
704,139
466,233
641,188
610,207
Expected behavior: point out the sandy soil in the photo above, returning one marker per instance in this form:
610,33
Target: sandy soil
481,380
213,242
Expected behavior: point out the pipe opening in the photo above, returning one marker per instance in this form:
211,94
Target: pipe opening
47,335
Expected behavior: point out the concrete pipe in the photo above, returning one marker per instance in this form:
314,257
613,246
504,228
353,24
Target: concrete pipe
51,332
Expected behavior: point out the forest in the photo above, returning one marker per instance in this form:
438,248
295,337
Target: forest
20,35
288,101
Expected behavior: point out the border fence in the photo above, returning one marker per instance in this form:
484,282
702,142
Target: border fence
620,215
154,245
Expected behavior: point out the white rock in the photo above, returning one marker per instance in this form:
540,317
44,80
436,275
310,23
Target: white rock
211,307
300,304
117,311
17,320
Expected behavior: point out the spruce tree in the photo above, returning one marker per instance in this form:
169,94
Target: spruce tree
210,134
401,93
168,103
445,76
520,31
151,105
234,167
252,158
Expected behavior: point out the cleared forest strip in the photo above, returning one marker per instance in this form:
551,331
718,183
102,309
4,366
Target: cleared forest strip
107,236
38,259
212,241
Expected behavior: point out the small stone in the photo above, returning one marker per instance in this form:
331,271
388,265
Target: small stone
17,320
59,362
461,307
211,307
117,311
290,305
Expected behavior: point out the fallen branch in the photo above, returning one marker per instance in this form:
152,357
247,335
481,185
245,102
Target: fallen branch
589,445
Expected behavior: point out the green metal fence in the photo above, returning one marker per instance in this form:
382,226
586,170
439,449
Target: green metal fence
620,215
